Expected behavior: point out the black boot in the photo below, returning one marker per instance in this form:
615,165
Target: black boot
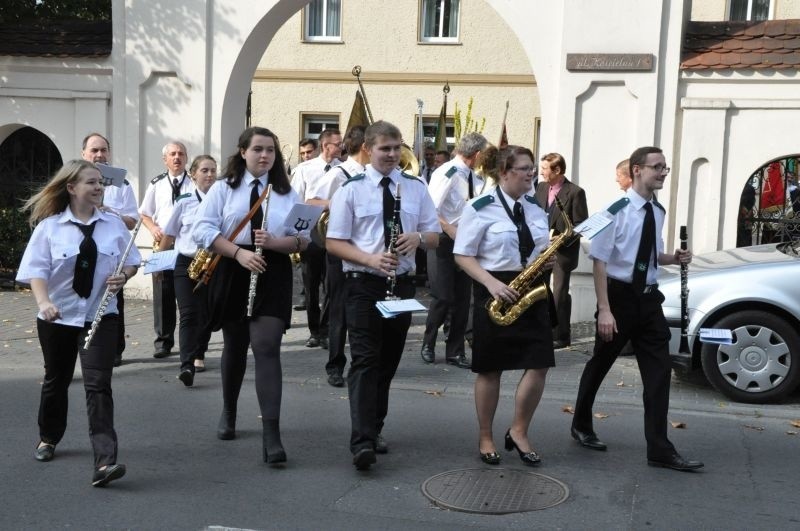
273,449
226,430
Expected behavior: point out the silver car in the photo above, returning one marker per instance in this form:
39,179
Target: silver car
755,293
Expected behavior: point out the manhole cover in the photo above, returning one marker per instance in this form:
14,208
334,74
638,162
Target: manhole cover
494,491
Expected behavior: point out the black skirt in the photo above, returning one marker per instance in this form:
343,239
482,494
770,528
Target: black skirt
230,283
527,343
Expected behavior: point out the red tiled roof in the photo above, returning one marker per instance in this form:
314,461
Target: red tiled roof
71,38
773,44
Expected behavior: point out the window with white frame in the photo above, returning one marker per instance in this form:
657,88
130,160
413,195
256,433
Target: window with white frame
323,21
314,124
750,10
439,21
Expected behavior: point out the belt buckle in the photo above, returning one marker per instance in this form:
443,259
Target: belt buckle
650,288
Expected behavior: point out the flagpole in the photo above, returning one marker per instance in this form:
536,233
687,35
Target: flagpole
503,127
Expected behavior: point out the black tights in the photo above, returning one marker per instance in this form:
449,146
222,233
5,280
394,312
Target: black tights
263,334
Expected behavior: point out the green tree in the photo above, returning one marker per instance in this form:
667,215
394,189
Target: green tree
27,11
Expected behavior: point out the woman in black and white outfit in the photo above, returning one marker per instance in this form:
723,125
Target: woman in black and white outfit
69,261
256,163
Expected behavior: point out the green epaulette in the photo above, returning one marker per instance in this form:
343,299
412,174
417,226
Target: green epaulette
532,200
183,196
618,205
358,177
656,203
157,178
482,201
412,177
452,171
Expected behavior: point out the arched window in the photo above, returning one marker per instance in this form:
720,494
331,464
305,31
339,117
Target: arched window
769,207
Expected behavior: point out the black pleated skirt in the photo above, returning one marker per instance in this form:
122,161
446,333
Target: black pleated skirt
527,343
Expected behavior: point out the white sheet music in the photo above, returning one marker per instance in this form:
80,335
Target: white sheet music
717,336
302,218
595,224
393,308
160,261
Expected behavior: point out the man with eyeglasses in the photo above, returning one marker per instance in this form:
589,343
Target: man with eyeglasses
452,185
553,183
626,255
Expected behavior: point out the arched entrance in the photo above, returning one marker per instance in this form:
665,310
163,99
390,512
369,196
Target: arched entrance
769,207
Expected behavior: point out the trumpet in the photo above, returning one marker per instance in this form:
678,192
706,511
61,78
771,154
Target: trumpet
251,293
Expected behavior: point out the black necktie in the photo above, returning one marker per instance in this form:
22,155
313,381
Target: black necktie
388,212
86,262
524,233
258,217
428,175
471,187
176,188
647,244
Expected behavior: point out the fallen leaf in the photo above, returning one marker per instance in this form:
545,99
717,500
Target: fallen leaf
751,427
600,415
795,423
28,331
568,409
791,433
621,384
678,425
434,393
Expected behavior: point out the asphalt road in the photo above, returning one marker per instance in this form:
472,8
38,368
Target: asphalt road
181,477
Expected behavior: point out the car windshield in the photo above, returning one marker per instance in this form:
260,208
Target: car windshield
790,248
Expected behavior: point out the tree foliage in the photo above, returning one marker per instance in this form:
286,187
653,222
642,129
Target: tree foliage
27,11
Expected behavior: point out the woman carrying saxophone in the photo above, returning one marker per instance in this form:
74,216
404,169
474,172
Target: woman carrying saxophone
256,163
500,233
76,252
193,331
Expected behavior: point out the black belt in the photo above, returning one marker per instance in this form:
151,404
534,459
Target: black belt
650,288
363,275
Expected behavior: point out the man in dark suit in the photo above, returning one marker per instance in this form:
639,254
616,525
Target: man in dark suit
553,183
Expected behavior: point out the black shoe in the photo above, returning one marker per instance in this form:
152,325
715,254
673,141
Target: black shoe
106,475
44,452
459,361
199,365
162,353
380,445
312,342
335,379
561,343
676,462
490,458
226,429
364,458
588,439
274,453
117,360
427,354
187,377
528,458
300,307
323,343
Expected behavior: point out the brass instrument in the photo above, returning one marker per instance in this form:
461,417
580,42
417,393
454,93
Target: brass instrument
393,235
503,313
251,293
156,246
108,294
320,230
200,262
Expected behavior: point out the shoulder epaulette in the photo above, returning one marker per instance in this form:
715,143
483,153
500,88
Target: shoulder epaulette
183,196
127,183
358,177
656,203
618,205
452,171
412,177
157,178
482,202
531,199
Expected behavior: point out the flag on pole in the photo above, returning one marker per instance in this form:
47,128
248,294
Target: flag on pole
440,143
358,115
504,132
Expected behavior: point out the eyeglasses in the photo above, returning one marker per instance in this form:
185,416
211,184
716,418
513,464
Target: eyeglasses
660,168
524,169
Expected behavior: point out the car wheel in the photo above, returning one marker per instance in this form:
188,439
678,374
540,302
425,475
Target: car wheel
762,364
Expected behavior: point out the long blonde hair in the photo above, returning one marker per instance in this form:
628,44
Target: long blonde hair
53,198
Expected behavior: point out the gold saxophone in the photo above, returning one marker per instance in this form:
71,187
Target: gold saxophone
200,262
528,283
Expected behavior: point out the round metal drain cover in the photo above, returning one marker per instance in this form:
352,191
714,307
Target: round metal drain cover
494,491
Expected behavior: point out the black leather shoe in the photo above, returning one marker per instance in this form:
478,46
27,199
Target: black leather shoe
187,377
459,361
44,452
159,354
380,445
364,458
226,429
274,454
561,343
103,476
676,462
427,354
490,458
323,343
527,458
335,379
588,439
312,342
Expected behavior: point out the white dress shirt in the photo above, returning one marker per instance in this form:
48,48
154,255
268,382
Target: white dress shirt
157,202
326,186
306,173
51,255
121,200
180,223
449,188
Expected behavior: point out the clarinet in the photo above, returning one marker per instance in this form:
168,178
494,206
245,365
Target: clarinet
393,235
251,293
108,294
684,345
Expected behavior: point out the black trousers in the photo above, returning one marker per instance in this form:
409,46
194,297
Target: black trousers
121,327
313,266
562,301
164,310
451,292
193,330
376,345
337,327
60,347
640,319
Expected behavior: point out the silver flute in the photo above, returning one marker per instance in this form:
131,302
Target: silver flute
251,293
109,294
